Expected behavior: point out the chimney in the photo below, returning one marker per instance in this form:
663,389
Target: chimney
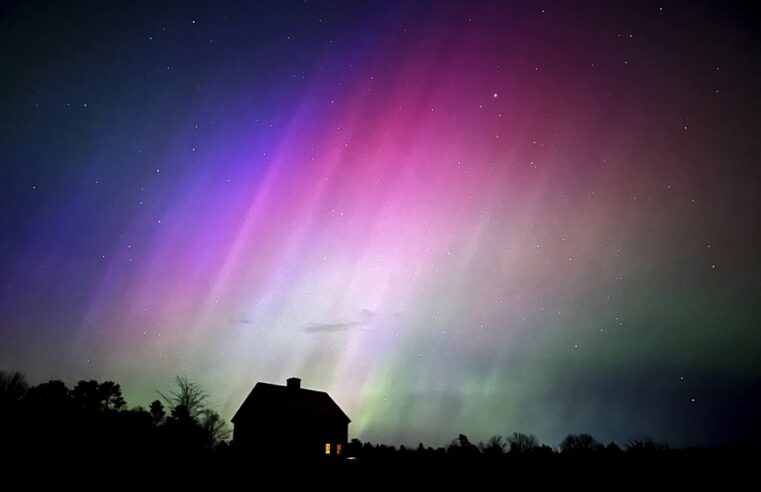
294,383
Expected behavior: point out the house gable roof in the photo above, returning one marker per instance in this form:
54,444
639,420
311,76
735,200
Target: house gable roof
292,403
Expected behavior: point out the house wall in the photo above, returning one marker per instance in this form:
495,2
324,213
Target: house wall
273,437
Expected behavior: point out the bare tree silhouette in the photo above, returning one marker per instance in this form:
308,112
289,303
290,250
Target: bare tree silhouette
494,447
645,444
188,398
13,386
522,443
191,420
215,427
579,443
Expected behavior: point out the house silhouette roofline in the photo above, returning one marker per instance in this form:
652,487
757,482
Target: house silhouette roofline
290,398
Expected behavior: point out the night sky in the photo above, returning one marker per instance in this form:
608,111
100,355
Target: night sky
477,217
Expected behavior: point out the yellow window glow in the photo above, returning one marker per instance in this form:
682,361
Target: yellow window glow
327,448
338,448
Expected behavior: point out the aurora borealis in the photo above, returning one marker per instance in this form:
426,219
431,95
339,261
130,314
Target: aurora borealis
478,217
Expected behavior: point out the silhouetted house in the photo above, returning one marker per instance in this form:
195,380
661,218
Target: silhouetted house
289,421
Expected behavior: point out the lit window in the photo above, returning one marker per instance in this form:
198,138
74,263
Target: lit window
338,449
327,448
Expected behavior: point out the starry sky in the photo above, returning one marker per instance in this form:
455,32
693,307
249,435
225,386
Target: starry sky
478,217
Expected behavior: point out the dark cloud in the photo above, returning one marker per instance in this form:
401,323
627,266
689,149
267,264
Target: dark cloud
317,327
365,318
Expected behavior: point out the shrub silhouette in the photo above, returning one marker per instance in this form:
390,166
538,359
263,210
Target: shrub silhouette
157,412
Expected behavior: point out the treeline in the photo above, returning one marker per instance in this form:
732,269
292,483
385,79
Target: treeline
95,416
517,445
92,419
